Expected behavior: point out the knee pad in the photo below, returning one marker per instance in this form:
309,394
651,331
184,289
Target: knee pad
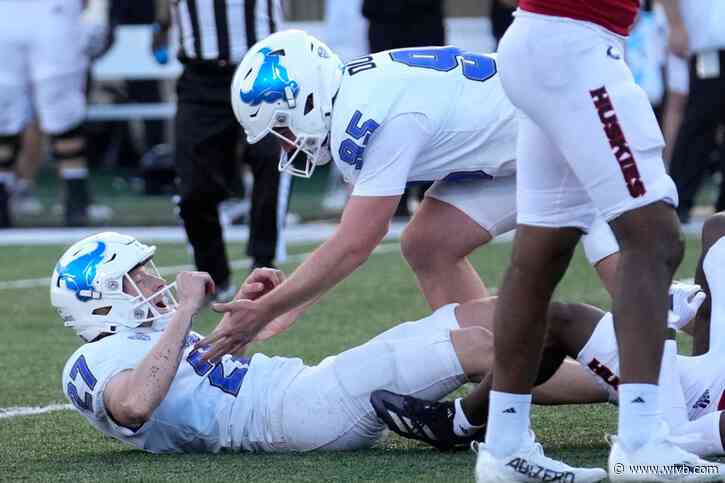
69,145
69,150
9,150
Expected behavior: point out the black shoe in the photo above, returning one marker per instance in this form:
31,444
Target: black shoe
5,218
76,202
427,421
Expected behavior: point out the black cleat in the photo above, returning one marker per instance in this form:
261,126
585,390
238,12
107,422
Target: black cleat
427,421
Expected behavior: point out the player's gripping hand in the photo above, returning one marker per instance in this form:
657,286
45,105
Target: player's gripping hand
260,282
245,319
194,289
686,301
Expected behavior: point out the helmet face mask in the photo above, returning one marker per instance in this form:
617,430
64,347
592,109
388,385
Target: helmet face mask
94,292
157,305
288,81
316,152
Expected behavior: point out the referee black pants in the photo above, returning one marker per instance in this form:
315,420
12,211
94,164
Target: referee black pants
696,141
207,138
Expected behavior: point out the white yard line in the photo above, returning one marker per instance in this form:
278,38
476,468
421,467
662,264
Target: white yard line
170,270
16,411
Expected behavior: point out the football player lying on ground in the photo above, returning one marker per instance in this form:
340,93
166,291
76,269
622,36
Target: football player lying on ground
692,387
139,379
402,116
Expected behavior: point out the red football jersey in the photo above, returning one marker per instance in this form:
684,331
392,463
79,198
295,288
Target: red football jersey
615,15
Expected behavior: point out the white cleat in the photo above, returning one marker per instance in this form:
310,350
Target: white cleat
660,460
529,464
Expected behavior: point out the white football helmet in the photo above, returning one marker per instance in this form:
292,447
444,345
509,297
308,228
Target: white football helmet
87,287
289,80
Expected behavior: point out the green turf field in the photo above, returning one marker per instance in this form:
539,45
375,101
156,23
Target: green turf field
60,446
124,194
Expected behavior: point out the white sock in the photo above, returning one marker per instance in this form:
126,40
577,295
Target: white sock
672,399
508,422
639,414
461,425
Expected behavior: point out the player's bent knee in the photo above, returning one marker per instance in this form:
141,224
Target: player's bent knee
474,349
661,242
477,313
560,317
421,248
670,248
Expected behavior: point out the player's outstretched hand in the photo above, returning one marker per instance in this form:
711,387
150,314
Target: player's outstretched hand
243,320
280,324
260,282
194,289
686,301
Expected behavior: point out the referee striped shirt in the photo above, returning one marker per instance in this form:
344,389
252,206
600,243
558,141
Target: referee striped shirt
223,30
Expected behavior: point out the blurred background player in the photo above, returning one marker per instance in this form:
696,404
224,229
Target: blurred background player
43,71
122,12
678,85
645,52
697,35
214,36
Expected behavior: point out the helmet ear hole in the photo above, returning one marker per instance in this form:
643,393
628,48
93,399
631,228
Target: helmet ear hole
102,310
309,104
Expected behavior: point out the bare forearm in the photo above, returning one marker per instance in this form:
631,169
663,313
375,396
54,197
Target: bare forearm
331,263
154,375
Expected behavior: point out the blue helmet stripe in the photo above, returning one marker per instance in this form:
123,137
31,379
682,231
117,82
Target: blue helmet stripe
80,272
271,82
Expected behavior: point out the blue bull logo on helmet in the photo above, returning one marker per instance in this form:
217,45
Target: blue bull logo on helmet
79,273
269,81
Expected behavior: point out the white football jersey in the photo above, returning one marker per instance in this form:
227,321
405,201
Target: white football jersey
208,406
421,114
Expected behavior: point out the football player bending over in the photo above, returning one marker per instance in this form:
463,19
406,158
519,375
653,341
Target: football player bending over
692,388
139,379
388,119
